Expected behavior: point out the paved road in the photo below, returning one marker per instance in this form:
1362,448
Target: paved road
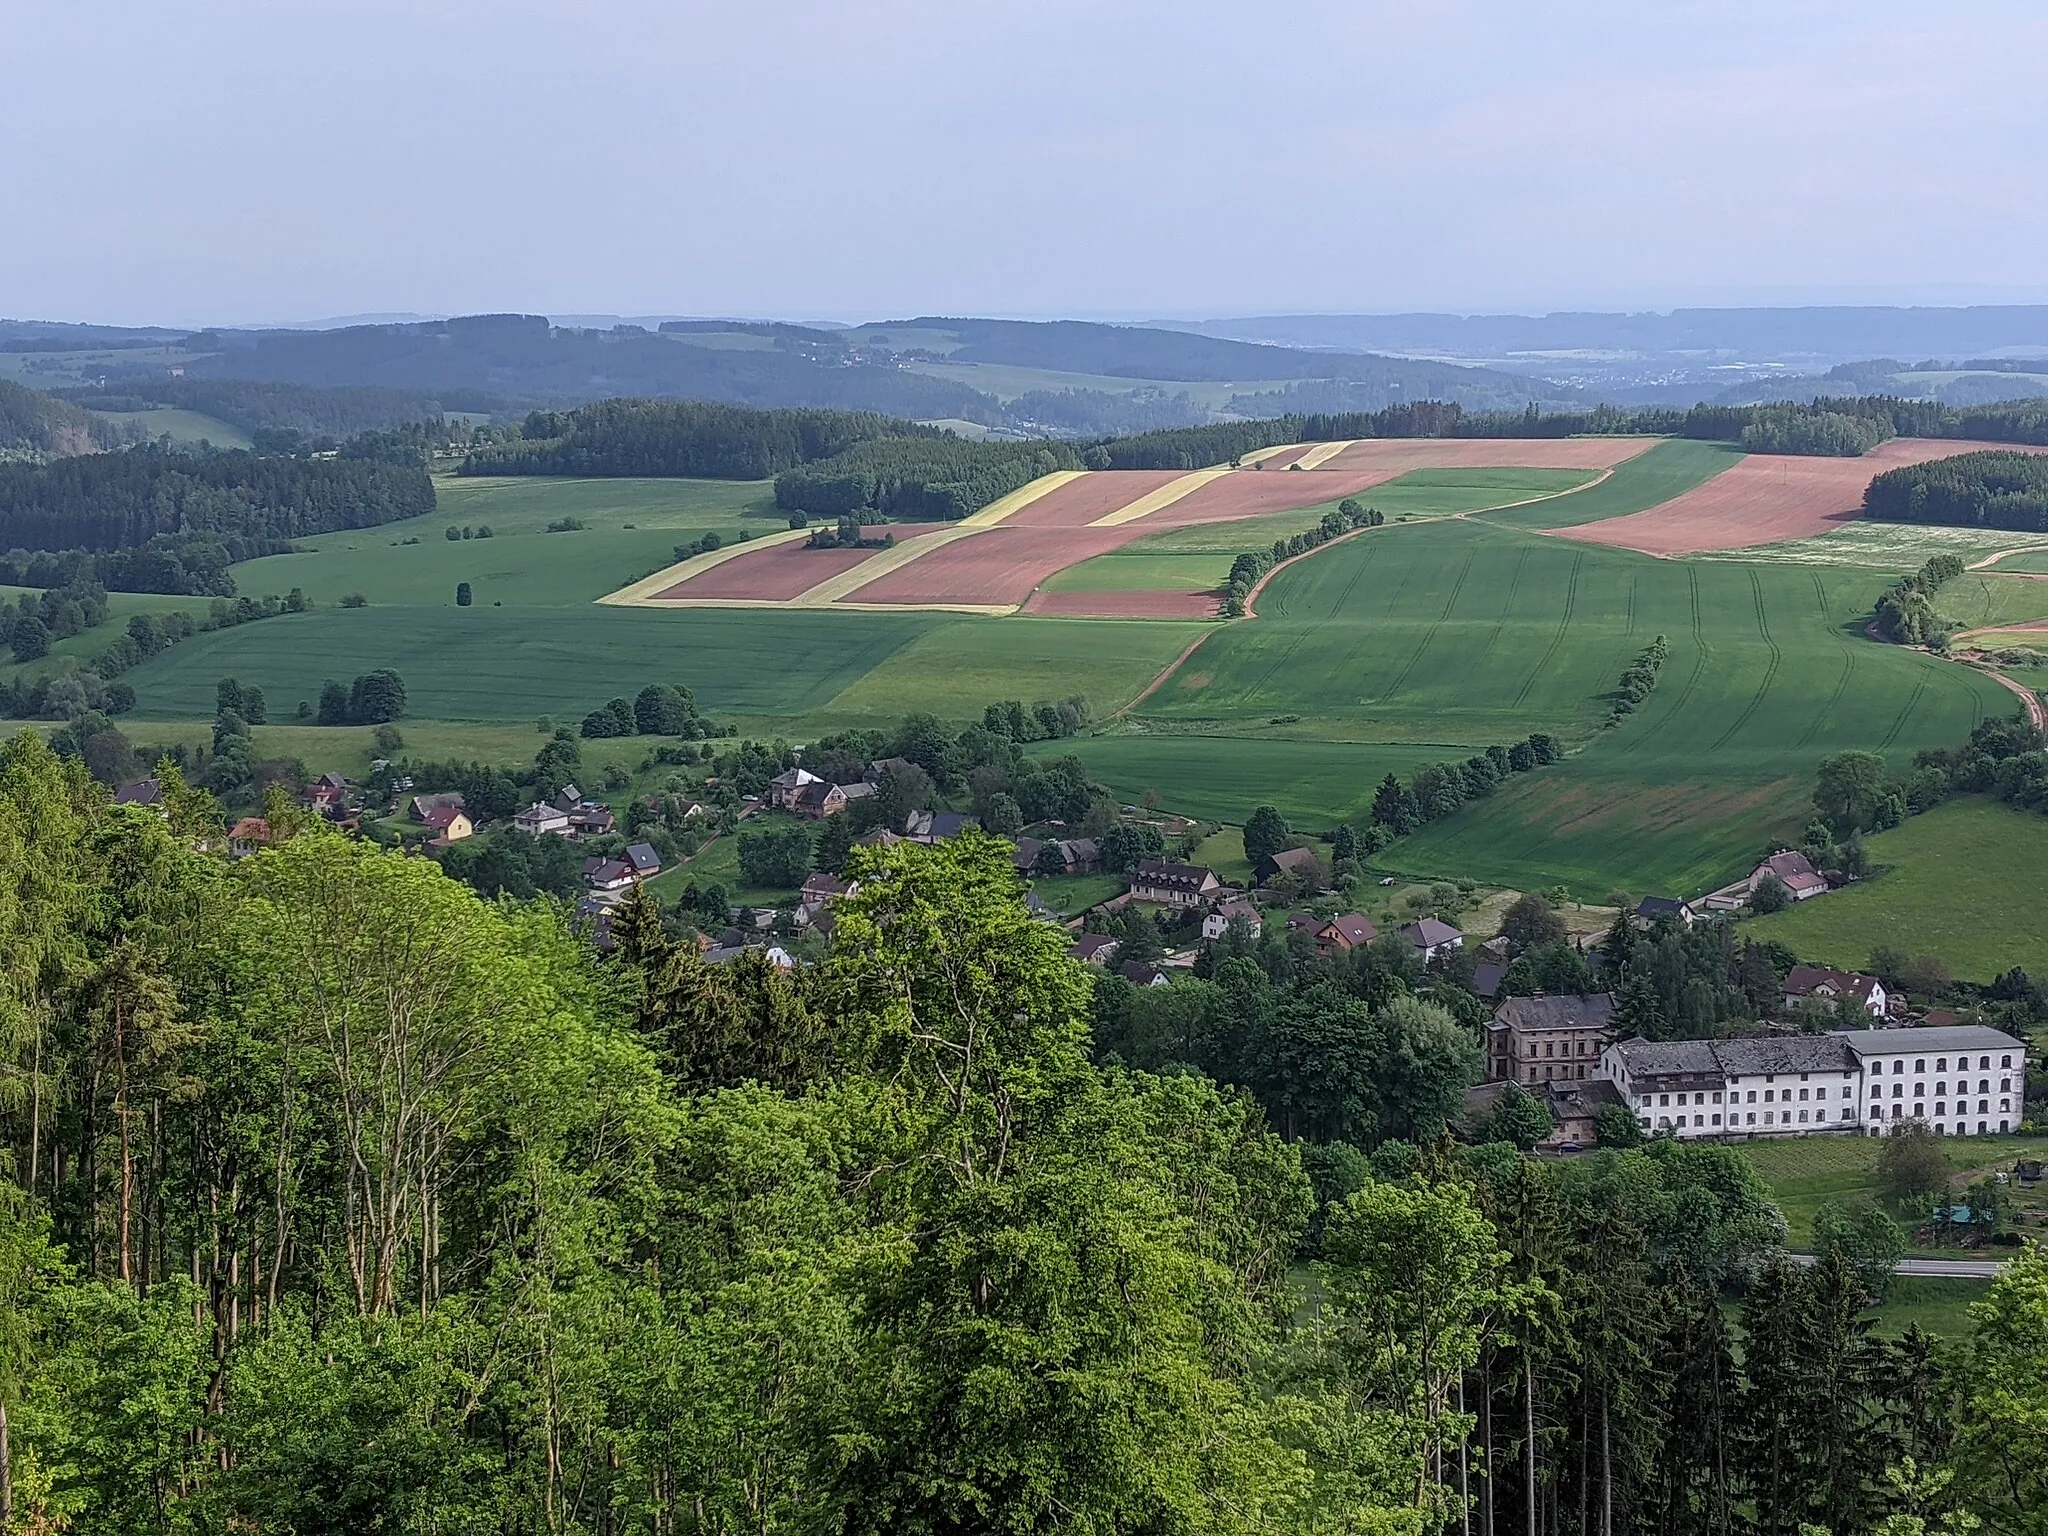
1938,1269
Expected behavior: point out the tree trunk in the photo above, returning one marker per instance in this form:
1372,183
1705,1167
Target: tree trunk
1606,1465
6,1471
1464,1466
1529,1439
1486,1449
127,1198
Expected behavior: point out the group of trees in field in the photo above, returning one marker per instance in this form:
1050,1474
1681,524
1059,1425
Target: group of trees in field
1248,568
111,501
30,622
1638,681
659,709
688,438
1818,433
338,1198
373,698
1905,614
918,479
1439,789
1973,490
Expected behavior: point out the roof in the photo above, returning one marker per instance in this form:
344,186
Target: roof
882,767
441,817
1291,858
1794,871
1079,850
540,810
1947,1037
642,857
1141,973
141,792
1580,1097
250,829
1487,976
1587,1010
1237,906
608,871
827,885
794,778
1669,1058
1354,928
1431,932
1660,906
859,789
1747,1057
1805,980
1187,877
423,805
1091,946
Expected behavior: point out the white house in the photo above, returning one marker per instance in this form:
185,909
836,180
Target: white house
542,820
1431,938
1217,921
1961,1080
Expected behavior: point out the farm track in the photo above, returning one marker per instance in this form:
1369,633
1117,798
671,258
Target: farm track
1822,715
1763,626
1507,605
1571,598
1905,714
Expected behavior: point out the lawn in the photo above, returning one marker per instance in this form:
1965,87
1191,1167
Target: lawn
1670,469
1934,1306
86,644
1071,895
1807,1172
1223,851
1963,882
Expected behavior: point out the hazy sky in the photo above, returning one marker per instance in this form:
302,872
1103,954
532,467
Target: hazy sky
263,160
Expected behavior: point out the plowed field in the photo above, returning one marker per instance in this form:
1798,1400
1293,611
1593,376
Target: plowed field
770,575
1396,455
1765,499
1079,502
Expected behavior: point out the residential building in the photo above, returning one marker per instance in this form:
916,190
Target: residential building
1094,948
1432,938
148,793
1651,908
786,789
424,807
1174,885
327,795
1574,1107
936,826
589,820
1301,862
822,890
247,836
602,874
448,823
645,861
1963,1080
1544,1039
1143,973
1487,976
1351,931
1817,984
1219,918
542,820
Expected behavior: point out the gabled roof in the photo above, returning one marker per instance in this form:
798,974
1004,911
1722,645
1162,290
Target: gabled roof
1948,1037
794,778
1794,871
1660,906
1353,928
1291,858
642,857
1097,947
1179,877
1431,932
1816,980
1141,973
442,817
250,829
140,792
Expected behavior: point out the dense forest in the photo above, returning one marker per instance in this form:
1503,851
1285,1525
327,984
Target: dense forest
34,426
339,1199
333,413
690,438
124,500
1975,490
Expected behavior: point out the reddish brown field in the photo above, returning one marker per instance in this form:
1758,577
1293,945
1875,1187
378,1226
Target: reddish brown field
1399,455
1124,605
1765,499
1282,457
1253,493
771,575
1079,502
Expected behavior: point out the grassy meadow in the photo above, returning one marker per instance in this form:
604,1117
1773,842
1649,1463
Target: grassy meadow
1669,469
1962,882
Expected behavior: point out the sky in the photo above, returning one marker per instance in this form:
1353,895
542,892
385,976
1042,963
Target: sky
250,161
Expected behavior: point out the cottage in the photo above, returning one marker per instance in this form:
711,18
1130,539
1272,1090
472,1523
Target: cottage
1218,921
542,820
786,790
822,890
1432,939
1652,909
568,798
1300,862
817,800
327,795
148,793
1174,885
936,826
602,874
1817,984
589,820
424,807
1142,973
1351,931
247,836
1094,948
448,823
1546,1039
645,861
1794,871
1487,976
880,769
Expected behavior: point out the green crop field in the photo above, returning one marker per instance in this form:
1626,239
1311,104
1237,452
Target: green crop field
1807,1172
2029,560
186,427
1670,469
1963,882
82,647
1135,570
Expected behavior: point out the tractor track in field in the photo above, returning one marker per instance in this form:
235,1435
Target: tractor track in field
1912,703
1429,634
1571,598
1692,678
1821,715
1507,606
1763,626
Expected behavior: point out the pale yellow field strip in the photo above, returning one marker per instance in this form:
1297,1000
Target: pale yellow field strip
1165,496
830,590
640,592
1260,455
1020,498
984,610
1320,455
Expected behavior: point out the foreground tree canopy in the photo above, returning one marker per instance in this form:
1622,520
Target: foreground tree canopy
337,1199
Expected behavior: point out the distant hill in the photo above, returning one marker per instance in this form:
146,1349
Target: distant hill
34,425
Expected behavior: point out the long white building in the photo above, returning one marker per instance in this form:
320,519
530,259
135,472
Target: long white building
1959,1080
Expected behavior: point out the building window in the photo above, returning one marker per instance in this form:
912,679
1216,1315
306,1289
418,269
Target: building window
1802,1117
1643,1121
1802,1095
1983,1063
1699,1119
2002,1125
1752,1119
2004,1084
1941,1063
1920,1064
1983,1108
1664,1100
1767,1117
1717,1119
1752,1095
2005,1061
2005,1104
1895,1111
1897,1089
1938,1109
1919,1090
1877,1111
1941,1088
1767,1095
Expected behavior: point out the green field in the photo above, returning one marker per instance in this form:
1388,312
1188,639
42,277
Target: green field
2030,560
82,647
188,427
1963,882
1807,1172
1670,469
1136,570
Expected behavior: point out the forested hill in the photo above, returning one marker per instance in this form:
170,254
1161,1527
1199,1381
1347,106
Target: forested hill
123,500
36,425
522,355
264,406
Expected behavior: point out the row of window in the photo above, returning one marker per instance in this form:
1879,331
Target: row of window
1940,1088
1771,1095
1941,1108
1941,1064
1748,1117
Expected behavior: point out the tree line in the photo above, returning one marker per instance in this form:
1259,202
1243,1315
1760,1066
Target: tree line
1249,568
1991,489
687,438
114,501
339,1199
1905,614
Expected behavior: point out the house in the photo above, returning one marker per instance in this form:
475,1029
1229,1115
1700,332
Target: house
1302,862
1818,984
774,954
1548,1039
936,826
449,824
1219,919
1573,1107
608,874
1142,973
144,792
1351,931
786,789
1431,938
1794,871
881,837
327,795
542,820
817,800
1025,857
568,798
1303,922
880,769
1963,1080
425,806
1487,976
1174,885
589,820
1652,908
823,890
1094,948
247,836
645,861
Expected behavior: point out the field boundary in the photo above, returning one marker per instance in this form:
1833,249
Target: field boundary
848,582
1165,496
1999,554
640,594
1322,453
1006,506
